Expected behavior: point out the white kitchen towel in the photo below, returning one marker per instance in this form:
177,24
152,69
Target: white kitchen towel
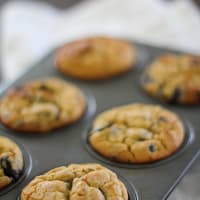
31,29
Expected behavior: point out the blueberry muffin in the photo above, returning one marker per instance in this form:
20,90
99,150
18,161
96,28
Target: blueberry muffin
76,182
42,105
95,58
11,162
174,79
136,133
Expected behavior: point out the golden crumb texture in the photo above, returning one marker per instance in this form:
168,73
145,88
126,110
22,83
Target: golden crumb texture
11,162
95,58
76,182
136,133
42,105
174,79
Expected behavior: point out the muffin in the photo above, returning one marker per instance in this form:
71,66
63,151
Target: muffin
42,105
11,162
76,182
136,133
95,58
174,79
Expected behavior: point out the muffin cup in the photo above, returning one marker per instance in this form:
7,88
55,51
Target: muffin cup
88,113
26,169
131,189
188,140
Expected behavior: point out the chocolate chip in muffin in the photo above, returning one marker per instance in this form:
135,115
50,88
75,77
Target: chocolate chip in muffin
44,87
6,165
152,148
175,96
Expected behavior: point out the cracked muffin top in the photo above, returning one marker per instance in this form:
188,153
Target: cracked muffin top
174,79
136,133
76,182
95,58
42,105
11,162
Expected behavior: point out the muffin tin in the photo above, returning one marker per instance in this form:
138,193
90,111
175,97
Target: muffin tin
68,145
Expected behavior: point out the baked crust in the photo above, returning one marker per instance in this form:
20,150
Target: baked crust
136,133
76,182
174,78
95,58
42,105
11,162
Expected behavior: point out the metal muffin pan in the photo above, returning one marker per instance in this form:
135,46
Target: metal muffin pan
69,144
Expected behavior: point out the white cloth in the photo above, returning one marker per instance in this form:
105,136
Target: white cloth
32,29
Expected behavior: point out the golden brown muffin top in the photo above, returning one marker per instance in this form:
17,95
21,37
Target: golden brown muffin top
76,182
11,162
42,105
95,58
174,78
136,133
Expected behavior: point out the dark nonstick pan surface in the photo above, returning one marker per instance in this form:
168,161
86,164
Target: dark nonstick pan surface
70,145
